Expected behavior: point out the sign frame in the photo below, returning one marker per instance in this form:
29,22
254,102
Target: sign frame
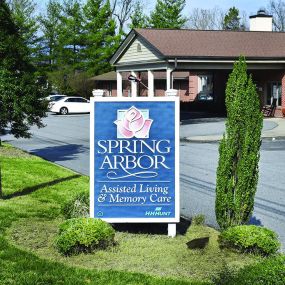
176,100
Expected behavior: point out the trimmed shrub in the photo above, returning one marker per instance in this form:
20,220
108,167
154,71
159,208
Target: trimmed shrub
84,235
77,207
271,271
250,238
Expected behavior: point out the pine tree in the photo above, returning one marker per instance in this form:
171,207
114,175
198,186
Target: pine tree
102,40
24,15
237,173
50,26
71,35
21,104
168,14
138,18
232,20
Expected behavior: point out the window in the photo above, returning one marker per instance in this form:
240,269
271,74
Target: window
205,88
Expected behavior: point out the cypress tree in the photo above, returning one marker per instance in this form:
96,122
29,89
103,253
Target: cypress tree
237,173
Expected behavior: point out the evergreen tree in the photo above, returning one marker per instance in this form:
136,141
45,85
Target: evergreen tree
168,14
232,20
20,95
50,26
23,13
72,35
101,39
138,18
237,173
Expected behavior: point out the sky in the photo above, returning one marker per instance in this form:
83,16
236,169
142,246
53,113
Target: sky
249,6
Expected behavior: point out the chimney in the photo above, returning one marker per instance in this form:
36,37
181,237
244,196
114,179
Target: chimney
261,21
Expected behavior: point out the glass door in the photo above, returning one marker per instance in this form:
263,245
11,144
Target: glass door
274,92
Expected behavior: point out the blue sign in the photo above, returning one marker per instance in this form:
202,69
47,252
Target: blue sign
134,159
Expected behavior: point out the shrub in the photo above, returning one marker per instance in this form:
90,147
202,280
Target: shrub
250,239
84,235
198,220
77,207
237,172
270,271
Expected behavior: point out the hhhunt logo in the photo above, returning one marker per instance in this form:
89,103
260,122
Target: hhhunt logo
133,123
157,212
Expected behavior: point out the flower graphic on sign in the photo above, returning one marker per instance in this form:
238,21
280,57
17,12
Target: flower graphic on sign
133,123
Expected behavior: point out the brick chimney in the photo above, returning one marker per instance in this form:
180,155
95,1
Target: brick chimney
261,21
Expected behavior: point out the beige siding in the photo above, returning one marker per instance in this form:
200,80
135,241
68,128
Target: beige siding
133,55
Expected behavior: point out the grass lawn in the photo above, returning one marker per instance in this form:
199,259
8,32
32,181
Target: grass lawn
34,191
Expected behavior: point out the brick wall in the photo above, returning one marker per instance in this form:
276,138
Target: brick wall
283,94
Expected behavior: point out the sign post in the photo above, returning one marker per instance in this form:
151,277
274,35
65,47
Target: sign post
134,160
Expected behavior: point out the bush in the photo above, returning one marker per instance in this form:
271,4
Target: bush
77,207
84,235
251,238
271,271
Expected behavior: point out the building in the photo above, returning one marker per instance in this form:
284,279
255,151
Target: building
207,57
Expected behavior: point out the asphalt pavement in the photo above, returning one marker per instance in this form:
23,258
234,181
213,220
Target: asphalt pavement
65,141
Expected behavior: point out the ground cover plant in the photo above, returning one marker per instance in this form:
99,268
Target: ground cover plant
31,213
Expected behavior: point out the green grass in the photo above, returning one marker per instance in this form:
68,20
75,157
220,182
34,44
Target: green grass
34,192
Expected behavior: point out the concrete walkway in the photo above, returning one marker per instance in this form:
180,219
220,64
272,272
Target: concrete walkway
273,128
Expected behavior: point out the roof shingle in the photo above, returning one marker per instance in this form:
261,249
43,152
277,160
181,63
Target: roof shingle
228,44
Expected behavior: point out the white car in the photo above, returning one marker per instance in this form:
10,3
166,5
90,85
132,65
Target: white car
68,105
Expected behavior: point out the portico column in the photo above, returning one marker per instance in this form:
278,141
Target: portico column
119,84
169,78
134,86
150,83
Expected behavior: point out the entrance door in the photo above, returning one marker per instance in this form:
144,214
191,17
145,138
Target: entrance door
274,92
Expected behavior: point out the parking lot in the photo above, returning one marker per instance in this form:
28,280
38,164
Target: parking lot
65,140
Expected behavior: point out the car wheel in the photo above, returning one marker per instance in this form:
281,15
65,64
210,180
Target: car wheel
63,111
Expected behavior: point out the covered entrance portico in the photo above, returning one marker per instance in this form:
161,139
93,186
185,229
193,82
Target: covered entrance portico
147,51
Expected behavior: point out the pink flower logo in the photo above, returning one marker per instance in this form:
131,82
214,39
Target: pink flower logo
133,123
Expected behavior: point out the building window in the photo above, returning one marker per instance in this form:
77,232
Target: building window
274,91
205,88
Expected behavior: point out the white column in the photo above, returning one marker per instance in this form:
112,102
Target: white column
119,84
169,78
134,86
150,83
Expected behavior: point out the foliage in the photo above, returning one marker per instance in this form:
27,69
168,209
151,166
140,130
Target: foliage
250,238
19,90
237,173
198,220
101,39
77,207
270,271
24,16
84,235
168,14
50,26
138,18
232,20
